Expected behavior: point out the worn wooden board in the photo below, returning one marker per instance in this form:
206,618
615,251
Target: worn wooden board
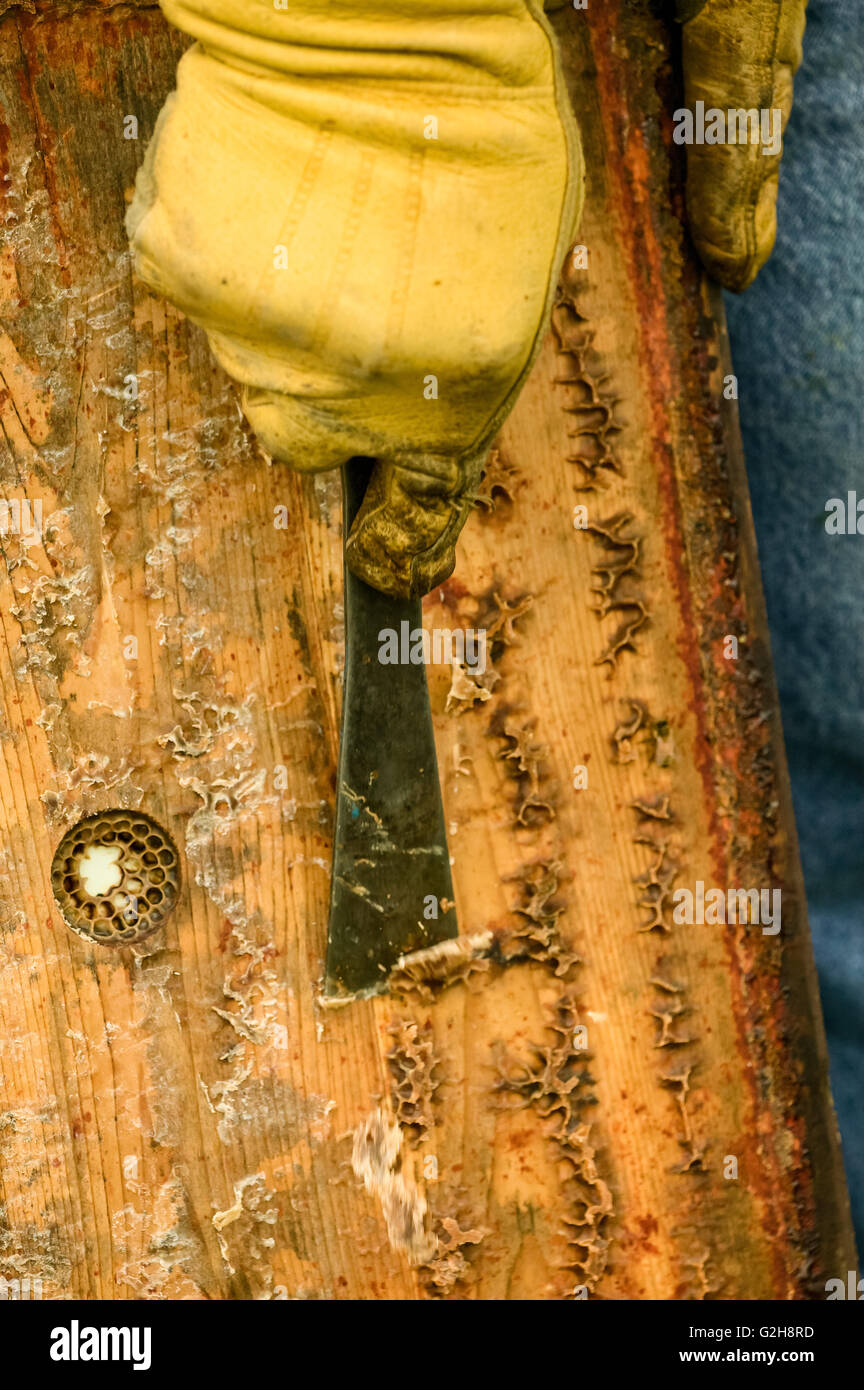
184,1119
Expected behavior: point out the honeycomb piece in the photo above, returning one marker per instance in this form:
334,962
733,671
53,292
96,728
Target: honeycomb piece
140,885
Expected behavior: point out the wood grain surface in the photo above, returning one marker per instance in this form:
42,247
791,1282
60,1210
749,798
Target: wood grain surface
561,1105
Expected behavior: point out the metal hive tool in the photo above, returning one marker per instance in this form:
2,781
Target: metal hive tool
390,856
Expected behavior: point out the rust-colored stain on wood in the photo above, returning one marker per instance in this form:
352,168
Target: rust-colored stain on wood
550,1105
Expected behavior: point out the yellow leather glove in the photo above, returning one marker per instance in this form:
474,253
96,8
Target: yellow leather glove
366,204
739,55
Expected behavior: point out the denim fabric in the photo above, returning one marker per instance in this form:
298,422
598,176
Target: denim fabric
798,348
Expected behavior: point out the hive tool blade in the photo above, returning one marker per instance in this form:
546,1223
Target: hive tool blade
391,890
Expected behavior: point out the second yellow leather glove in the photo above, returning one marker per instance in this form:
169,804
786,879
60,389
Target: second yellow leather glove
365,204
739,57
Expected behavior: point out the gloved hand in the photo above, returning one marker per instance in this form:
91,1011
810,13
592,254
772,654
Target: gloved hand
738,55
366,204
366,208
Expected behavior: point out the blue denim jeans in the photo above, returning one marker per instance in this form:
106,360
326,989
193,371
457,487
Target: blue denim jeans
798,349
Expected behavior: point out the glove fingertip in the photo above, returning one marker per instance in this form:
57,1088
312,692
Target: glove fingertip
403,539
734,247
